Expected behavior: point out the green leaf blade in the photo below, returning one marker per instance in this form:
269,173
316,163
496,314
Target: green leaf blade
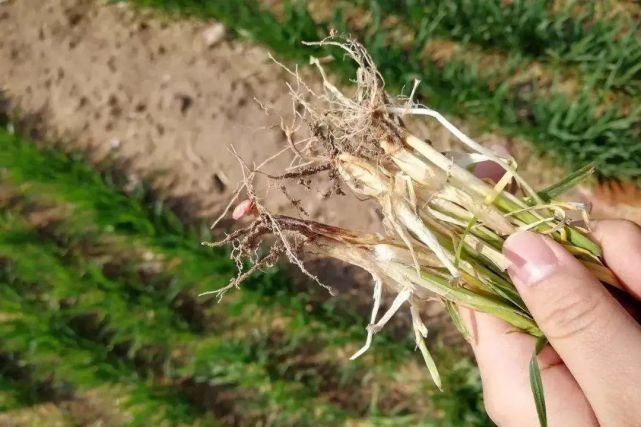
429,360
536,383
568,182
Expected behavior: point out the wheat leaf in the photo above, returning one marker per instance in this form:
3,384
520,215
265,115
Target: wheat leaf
570,181
536,384
429,360
457,320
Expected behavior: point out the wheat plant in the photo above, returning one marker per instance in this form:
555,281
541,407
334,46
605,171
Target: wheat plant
445,227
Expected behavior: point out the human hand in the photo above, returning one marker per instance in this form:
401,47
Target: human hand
591,372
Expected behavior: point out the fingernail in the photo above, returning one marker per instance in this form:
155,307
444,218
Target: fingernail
531,257
490,170
244,208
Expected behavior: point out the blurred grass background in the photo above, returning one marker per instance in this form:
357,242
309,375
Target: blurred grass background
100,323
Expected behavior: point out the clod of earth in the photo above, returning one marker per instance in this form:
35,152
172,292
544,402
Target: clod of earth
214,34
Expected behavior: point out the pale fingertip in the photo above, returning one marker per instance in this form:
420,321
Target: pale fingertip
244,208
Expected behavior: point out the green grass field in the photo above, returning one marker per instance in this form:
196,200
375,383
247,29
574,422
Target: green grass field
562,75
99,294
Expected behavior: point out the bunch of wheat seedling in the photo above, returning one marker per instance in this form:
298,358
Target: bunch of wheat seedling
445,226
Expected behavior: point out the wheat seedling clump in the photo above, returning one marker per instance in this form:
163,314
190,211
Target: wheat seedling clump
445,227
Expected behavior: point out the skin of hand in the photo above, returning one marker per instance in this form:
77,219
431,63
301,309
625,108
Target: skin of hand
591,370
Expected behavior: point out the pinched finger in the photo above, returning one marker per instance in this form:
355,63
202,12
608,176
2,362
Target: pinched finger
621,244
503,357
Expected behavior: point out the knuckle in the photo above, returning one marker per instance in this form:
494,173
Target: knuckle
570,314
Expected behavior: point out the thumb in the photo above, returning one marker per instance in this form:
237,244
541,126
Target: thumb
596,338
